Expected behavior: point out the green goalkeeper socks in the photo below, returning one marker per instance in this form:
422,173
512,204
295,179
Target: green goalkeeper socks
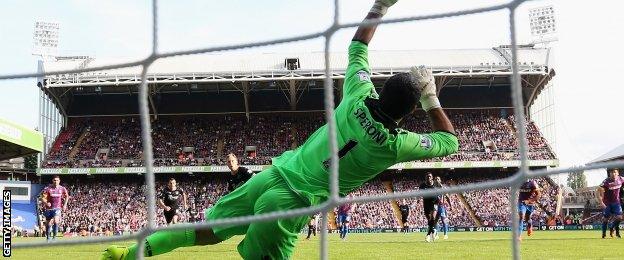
164,241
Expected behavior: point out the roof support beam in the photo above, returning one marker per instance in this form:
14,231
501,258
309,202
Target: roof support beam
292,87
56,100
442,81
55,81
506,55
245,85
151,102
541,82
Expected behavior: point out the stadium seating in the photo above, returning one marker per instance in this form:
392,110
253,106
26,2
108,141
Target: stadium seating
121,205
205,140
117,206
458,215
492,207
377,214
484,135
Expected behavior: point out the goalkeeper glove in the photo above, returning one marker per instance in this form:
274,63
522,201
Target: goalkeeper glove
381,6
425,83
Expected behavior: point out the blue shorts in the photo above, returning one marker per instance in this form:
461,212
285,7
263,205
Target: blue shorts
343,218
442,211
612,209
524,208
51,213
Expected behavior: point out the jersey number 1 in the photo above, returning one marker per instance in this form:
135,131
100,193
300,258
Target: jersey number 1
345,149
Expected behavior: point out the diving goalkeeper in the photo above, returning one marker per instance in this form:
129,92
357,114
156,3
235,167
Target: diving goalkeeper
369,139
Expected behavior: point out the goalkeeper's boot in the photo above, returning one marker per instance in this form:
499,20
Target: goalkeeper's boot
115,253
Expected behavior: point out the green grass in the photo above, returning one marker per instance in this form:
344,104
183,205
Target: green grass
461,245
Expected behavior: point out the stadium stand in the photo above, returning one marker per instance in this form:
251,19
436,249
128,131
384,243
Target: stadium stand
201,111
373,214
100,207
492,207
484,135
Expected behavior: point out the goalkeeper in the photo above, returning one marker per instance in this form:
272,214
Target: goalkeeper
369,139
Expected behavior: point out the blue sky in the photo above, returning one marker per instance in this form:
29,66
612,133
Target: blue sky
588,56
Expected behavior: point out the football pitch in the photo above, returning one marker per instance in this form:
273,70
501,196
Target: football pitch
460,245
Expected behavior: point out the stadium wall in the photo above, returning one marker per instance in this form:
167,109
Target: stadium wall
474,229
257,168
23,203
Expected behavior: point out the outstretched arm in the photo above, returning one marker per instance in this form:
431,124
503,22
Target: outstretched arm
429,99
357,77
439,121
364,34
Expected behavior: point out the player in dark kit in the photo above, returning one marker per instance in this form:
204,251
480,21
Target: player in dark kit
169,200
239,175
430,207
530,193
404,209
609,194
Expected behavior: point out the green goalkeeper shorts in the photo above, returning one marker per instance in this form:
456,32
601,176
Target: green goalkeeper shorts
265,192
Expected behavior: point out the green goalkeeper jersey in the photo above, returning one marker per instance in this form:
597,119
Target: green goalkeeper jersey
367,147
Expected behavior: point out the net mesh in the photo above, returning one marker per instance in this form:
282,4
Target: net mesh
514,181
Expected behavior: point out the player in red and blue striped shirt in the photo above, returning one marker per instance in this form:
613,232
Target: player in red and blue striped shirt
530,193
609,193
54,198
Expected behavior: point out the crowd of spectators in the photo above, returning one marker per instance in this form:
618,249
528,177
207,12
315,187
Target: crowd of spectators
118,206
98,207
484,135
457,213
65,142
378,214
120,135
492,207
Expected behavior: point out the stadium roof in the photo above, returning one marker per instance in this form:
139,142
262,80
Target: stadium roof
17,141
259,81
272,66
615,154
